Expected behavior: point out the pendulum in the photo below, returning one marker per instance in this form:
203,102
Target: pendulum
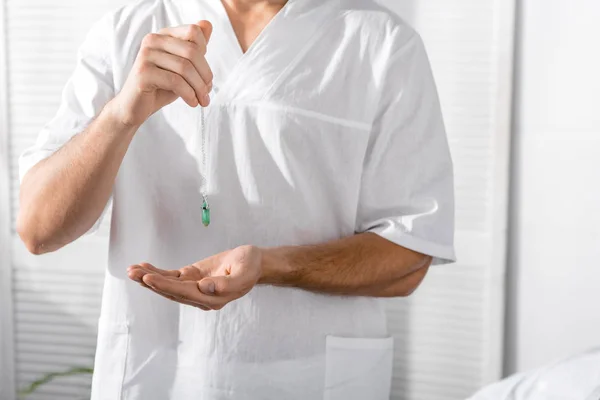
204,190
205,214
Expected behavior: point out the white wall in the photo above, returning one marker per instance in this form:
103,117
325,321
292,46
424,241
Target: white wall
554,297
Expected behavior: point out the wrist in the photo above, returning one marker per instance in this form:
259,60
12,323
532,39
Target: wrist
276,267
119,116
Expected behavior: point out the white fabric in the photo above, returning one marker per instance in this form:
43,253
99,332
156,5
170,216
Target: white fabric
576,378
329,125
370,378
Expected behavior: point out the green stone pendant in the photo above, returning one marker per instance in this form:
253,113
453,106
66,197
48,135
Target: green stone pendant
205,214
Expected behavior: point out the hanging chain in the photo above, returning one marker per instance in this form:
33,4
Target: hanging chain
204,190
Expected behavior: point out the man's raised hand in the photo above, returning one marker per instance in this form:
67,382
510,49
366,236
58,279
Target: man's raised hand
169,64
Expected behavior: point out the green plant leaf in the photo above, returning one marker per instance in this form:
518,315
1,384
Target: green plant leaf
50,377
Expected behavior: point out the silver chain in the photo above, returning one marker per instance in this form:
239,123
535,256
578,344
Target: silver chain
204,189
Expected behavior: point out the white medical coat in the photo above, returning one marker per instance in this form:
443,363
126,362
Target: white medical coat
328,125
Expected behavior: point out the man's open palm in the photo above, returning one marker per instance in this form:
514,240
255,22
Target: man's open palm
208,284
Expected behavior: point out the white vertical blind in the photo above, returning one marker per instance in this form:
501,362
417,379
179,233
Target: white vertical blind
6,308
57,302
448,335
43,37
56,297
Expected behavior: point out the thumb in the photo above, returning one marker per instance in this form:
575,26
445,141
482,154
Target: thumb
206,28
207,286
221,285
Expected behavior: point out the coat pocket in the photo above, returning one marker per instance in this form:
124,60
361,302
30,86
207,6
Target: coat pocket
111,355
358,368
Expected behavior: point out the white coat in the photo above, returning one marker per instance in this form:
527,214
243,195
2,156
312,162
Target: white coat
328,125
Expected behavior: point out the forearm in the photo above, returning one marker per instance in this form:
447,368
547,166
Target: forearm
62,196
362,265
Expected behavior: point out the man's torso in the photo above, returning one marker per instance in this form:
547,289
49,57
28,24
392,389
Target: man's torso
287,132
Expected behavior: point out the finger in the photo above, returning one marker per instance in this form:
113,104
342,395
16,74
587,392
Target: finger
207,29
187,41
170,81
192,33
180,66
225,286
164,272
175,42
204,68
136,274
187,291
137,271
191,273
209,287
200,35
178,300
171,298
205,73
145,284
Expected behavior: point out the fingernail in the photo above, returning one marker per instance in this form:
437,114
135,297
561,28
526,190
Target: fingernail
208,288
206,99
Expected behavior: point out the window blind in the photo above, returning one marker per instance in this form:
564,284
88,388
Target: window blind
56,297
448,335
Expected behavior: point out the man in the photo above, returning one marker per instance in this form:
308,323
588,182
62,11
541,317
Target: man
287,169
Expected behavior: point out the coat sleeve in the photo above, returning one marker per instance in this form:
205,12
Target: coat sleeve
88,89
407,193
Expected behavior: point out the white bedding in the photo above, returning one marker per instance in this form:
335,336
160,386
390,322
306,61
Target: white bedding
576,378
